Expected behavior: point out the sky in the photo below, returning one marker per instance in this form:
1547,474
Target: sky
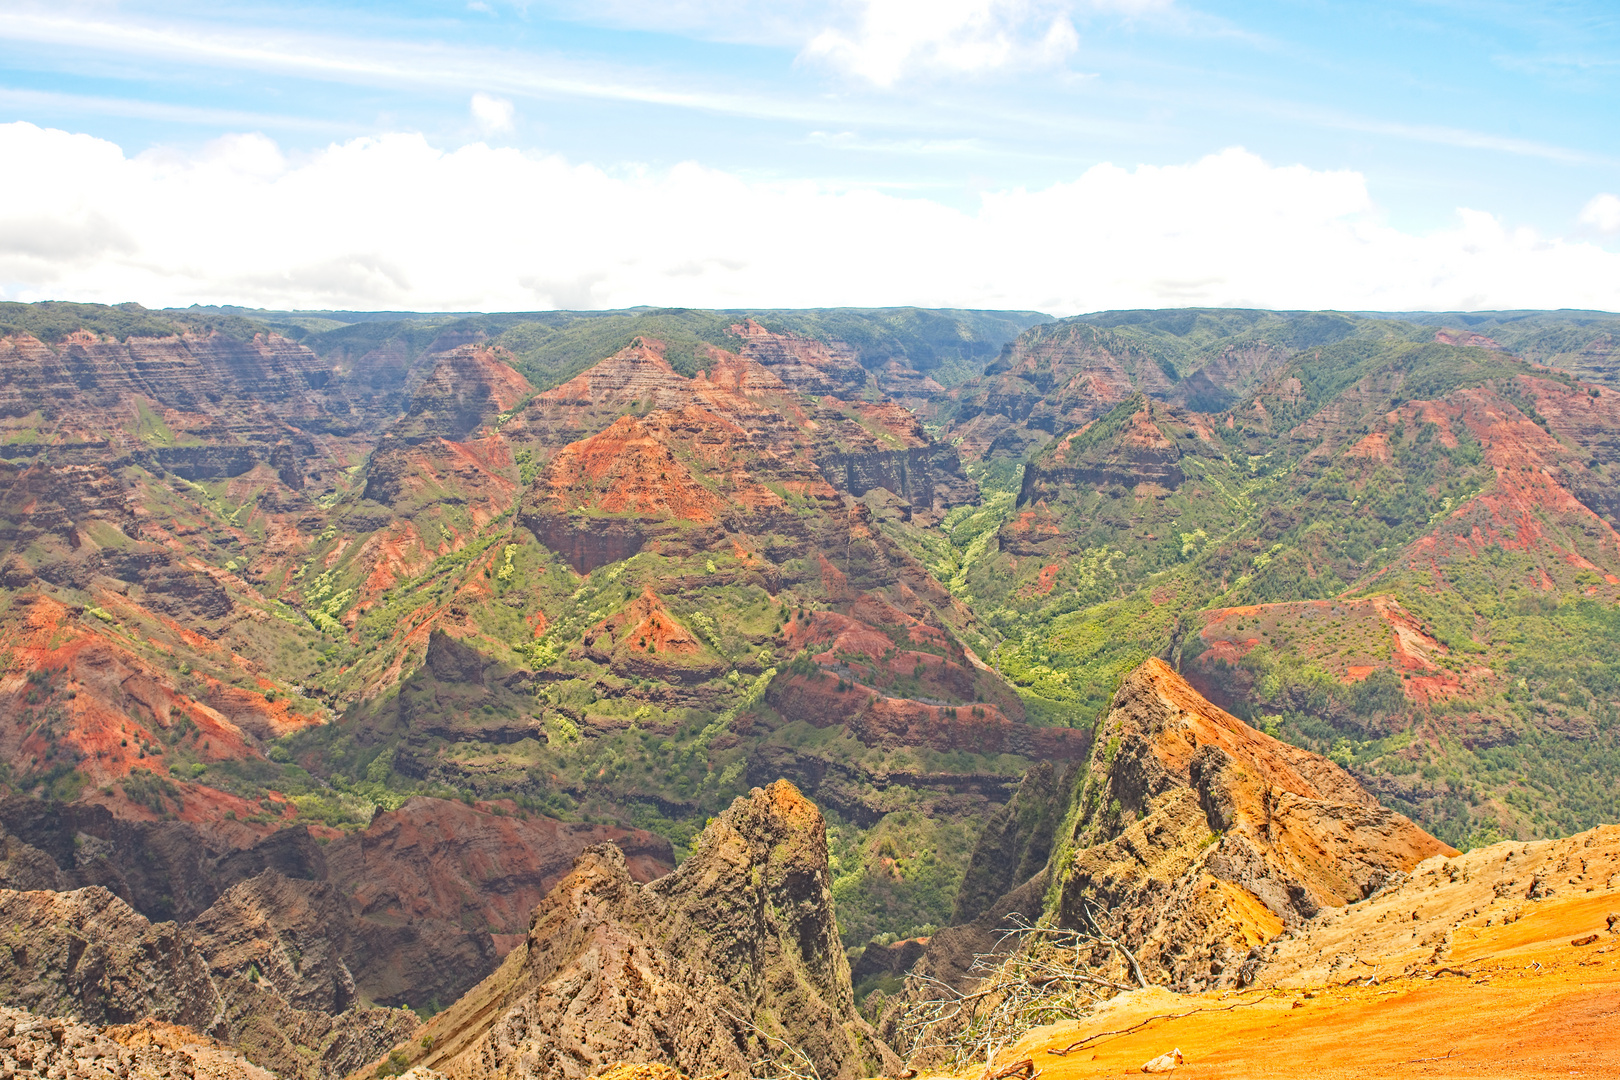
1061,156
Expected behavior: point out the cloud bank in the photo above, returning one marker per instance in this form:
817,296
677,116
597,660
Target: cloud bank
393,222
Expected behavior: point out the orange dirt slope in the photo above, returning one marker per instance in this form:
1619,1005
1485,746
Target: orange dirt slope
1507,993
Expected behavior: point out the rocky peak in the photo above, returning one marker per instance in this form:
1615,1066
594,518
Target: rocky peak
753,905
1199,839
645,625
706,969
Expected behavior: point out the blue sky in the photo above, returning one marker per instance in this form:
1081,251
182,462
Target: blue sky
1351,154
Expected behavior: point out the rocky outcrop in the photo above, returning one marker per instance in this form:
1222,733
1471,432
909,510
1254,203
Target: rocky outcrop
1422,921
413,910
32,1045
707,969
1198,839
260,970
88,954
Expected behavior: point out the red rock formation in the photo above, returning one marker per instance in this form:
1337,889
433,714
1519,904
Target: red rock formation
100,706
804,364
434,863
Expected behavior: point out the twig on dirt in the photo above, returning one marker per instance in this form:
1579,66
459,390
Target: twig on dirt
1442,1057
1025,1068
1072,1047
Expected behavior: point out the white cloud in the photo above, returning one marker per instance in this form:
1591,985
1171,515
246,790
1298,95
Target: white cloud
393,222
493,115
1602,214
892,38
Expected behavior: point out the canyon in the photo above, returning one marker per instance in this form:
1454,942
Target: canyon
339,658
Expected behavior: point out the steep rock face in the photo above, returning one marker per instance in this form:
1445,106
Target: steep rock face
1224,378
467,386
445,447
274,947
86,953
235,973
861,446
290,933
1016,843
205,406
676,480
806,365
590,986
637,375
162,869
694,970
1200,839
1125,449
753,905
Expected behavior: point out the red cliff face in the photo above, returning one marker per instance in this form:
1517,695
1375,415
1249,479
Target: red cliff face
1138,452
444,870
716,460
1052,380
81,699
806,365
447,444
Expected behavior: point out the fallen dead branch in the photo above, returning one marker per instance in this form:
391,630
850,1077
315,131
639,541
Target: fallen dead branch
1035,975
1025,1068
1090,1039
